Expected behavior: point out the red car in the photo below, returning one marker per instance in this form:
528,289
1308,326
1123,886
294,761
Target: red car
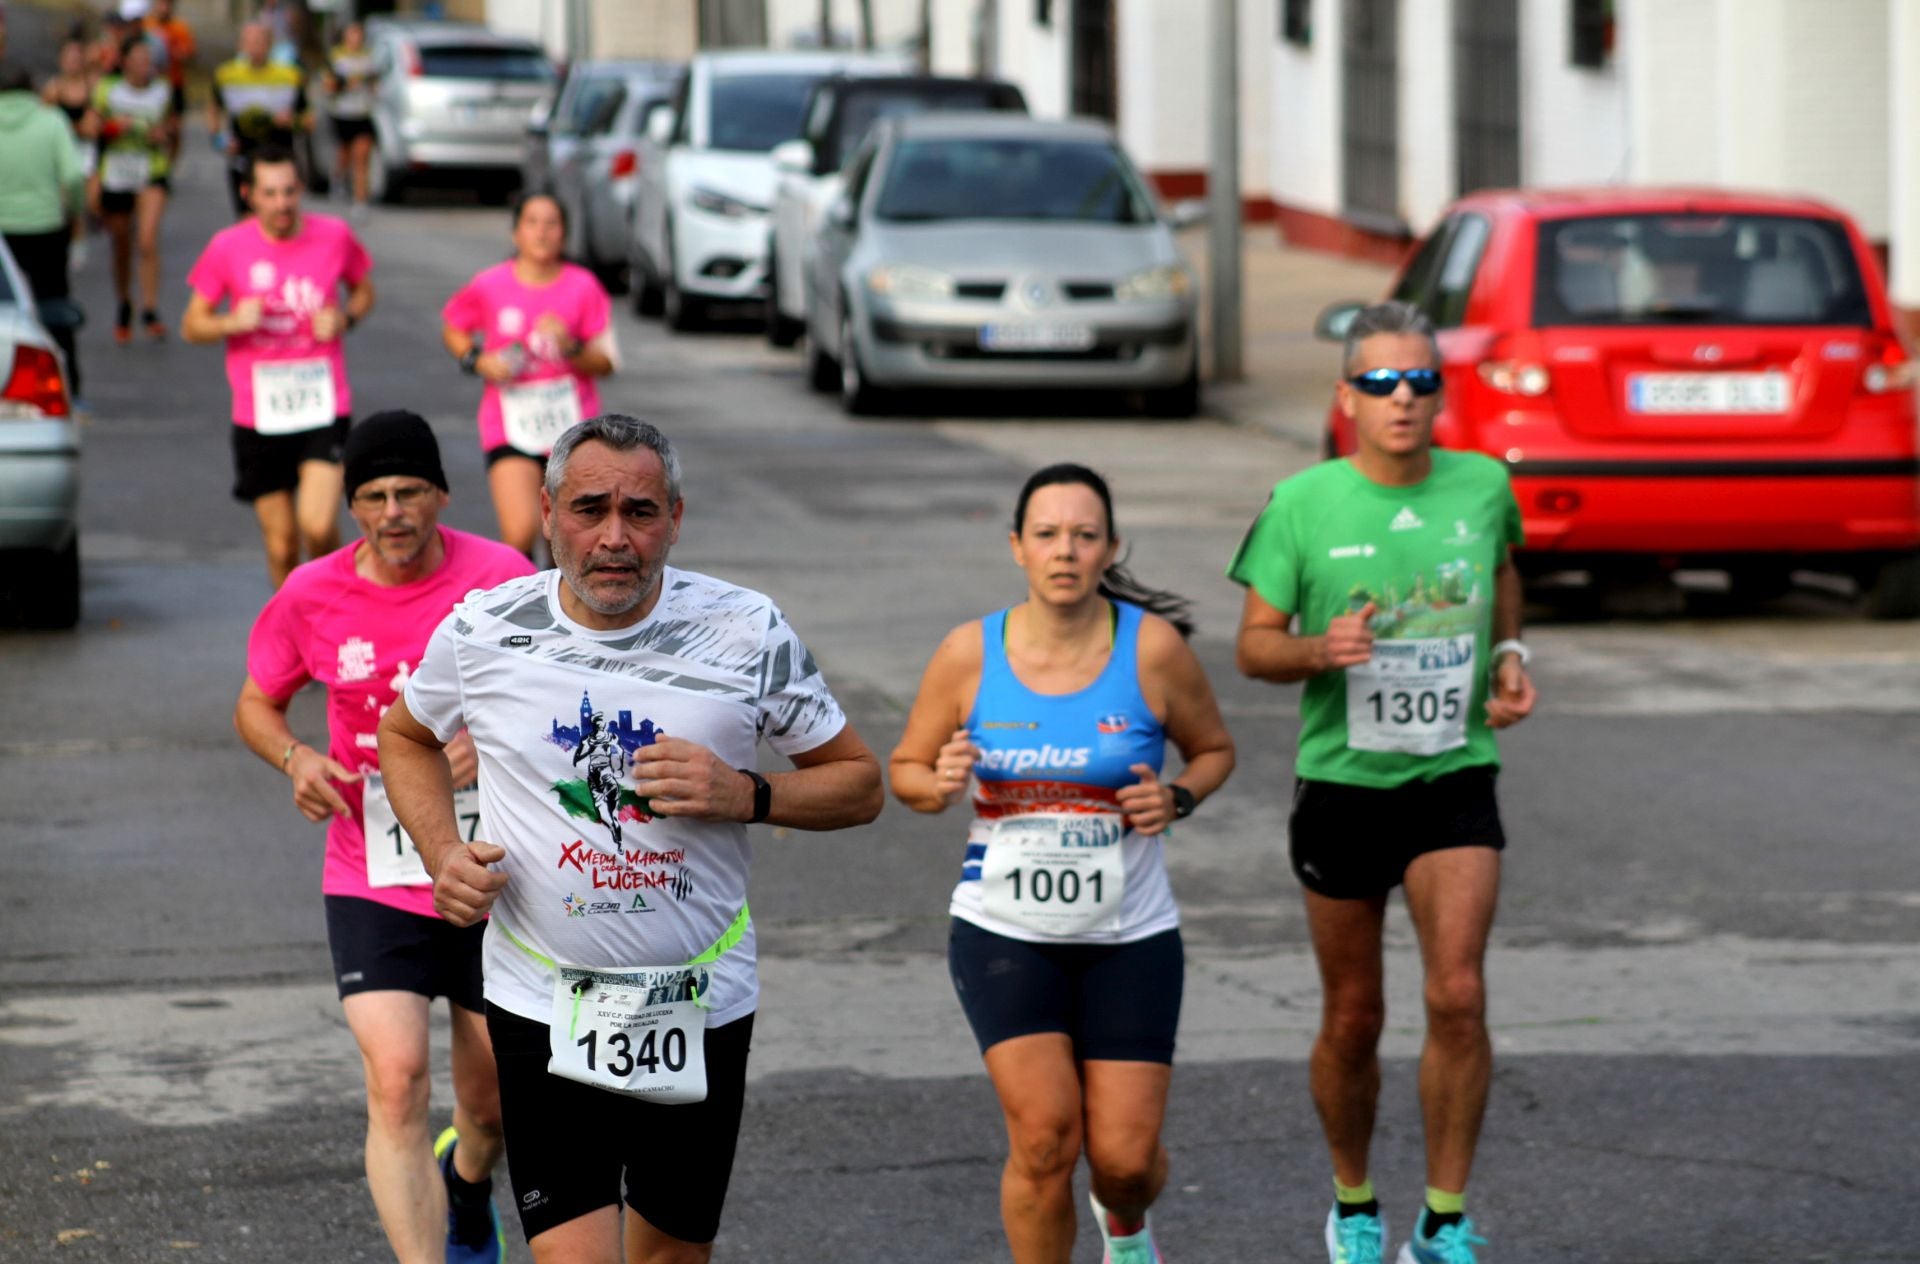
1677,378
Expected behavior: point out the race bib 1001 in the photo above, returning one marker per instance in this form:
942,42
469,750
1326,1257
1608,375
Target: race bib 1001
1056,873
637,1031
292,396
391,858
1412,697
125,170
538,413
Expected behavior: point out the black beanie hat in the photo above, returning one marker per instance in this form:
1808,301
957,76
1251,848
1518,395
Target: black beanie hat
389,443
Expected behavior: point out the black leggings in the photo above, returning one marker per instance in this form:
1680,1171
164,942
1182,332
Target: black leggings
43,257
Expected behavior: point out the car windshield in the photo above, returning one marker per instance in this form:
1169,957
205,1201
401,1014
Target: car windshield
1011,178
866,106
483,61
1697,269
753,113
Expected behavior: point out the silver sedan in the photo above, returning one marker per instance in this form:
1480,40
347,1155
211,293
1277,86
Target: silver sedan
39,458
996,251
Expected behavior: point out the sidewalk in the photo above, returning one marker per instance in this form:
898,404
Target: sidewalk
1289,374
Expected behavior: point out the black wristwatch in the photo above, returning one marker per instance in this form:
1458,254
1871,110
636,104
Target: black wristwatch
762,796
469,358
1183,802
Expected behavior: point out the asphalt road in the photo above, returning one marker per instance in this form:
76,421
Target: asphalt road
1704,979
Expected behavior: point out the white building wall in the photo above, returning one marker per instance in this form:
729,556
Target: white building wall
1035,57
1672,81
1429,168
1833,86
1259,31
1161,80
1573,127
1903,227
1303,137
796,23
955,26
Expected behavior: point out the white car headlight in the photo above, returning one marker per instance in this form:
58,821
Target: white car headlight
903,280
714,202
1168,281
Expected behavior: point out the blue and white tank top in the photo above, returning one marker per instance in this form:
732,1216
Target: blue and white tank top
1065,753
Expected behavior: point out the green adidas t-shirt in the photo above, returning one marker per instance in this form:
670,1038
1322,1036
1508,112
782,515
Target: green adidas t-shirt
1328,542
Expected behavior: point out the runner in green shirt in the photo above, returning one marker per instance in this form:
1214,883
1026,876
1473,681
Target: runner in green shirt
1397,564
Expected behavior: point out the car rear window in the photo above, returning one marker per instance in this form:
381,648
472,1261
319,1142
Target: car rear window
753,113
866,106
1697,269
483,61
1012,178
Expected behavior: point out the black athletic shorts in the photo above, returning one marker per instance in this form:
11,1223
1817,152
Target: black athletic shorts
1116,1002
502,451
348,130
123,203
1355,842
569,1144
264,464
378,948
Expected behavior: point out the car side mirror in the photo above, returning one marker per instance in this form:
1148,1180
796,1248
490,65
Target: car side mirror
660,124
61,315
840,214
794,157
1331,324
1188,212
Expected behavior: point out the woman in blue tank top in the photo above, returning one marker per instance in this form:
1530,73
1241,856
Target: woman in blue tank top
1053,716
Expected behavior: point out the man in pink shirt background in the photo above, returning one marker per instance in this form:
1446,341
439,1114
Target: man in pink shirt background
281,271
358,620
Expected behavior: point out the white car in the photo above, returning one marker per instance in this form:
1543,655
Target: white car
39,458
840,114
707,176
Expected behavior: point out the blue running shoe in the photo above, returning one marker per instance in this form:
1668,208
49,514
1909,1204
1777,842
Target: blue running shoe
1135,1248
1360,1239
1453,1244
492,1249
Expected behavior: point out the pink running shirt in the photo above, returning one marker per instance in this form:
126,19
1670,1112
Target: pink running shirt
293,279
362,640
503,311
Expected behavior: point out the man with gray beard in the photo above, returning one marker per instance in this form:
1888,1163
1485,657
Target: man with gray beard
620,971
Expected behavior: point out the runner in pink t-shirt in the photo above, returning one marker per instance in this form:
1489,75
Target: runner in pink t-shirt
358,620
538,330
281,272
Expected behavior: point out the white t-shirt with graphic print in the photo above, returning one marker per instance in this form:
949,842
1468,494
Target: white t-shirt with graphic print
556,710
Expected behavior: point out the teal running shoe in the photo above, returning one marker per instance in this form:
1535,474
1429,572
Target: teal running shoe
1360,1239
1453,1244
1135,1248
492,1248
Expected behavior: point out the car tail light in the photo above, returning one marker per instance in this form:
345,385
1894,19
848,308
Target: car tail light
36,382
1888,372
414,68
625,163
1516,377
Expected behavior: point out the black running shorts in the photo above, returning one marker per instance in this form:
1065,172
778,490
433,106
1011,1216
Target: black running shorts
348,130
265,464
569,1145
1116,1002
1355,842
501,452
379,948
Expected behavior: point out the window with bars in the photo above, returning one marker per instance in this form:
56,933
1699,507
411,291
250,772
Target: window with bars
1296,22
1590,42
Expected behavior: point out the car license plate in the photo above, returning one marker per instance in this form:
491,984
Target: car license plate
1707,392
1036,337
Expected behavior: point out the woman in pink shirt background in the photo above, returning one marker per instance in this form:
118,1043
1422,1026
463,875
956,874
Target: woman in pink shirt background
538,331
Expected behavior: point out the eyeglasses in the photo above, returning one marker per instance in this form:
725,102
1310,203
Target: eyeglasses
1384,382
405,497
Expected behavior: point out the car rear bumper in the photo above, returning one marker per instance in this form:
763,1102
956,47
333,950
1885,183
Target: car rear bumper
39,487
431,154
1694,509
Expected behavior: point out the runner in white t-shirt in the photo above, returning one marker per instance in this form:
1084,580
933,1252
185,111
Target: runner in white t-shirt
620,976
358,621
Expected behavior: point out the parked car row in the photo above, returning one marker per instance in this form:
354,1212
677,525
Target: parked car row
919,231
1676,379
39,459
